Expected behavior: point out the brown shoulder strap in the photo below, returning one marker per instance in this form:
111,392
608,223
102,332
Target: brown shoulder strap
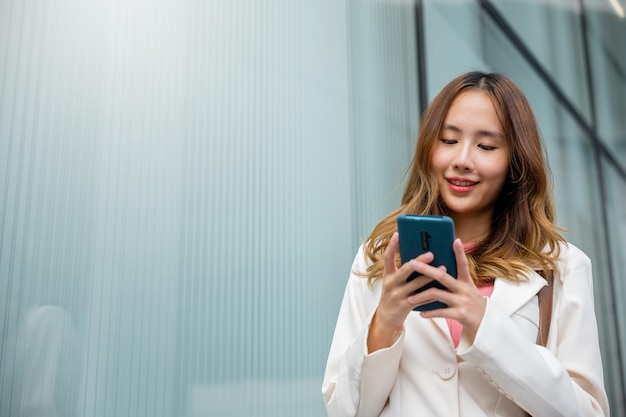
545,309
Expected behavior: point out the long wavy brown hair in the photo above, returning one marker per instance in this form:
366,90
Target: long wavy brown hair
523,235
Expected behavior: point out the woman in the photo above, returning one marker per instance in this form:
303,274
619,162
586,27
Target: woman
480,160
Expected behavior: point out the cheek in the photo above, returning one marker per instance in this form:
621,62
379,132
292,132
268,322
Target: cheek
439,161
498,172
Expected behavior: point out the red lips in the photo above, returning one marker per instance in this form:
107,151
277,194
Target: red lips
461,185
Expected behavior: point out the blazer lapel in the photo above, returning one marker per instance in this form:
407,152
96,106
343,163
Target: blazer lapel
510,296
443,326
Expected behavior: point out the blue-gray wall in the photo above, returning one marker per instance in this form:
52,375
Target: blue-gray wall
183,184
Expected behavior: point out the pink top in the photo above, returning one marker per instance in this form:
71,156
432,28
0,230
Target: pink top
455,327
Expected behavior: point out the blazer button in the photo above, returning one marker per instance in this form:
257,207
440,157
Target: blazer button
446,372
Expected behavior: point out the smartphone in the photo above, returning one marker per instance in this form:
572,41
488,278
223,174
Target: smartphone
420,234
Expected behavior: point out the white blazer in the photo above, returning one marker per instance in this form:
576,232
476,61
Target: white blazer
503,373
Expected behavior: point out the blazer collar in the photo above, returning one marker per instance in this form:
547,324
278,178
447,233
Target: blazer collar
510,295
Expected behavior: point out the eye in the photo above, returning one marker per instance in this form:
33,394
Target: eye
487,147
448,141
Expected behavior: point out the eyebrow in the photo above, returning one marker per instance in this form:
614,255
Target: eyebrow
489,133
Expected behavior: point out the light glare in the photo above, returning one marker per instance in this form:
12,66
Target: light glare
618,8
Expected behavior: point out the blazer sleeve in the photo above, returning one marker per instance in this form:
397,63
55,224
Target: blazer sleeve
357,383
564,379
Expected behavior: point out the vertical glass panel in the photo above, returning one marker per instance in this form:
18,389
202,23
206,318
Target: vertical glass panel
384,106
51,100
615,206
606,29
175,206
453,41
551,31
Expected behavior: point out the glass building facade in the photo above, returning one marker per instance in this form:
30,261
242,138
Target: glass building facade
184,184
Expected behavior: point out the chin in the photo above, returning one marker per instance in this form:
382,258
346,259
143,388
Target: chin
464,209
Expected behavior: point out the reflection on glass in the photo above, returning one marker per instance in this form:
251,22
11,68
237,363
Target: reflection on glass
47,364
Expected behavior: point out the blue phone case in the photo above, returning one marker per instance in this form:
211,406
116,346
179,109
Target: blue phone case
422,233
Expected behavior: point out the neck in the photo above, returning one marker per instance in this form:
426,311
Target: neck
471,228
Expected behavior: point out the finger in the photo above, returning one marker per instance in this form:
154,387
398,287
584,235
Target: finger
469,313
430,295
439,312
426,257
438,273
462,265
417,283
437,295
389,257
420,298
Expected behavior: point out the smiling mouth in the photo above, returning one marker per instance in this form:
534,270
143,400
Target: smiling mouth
462,183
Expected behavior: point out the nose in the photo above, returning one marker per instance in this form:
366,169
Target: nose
463,159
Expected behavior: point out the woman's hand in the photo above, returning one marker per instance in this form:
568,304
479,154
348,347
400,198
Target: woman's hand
465,303
394,305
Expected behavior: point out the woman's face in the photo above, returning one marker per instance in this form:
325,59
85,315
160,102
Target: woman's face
470,159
